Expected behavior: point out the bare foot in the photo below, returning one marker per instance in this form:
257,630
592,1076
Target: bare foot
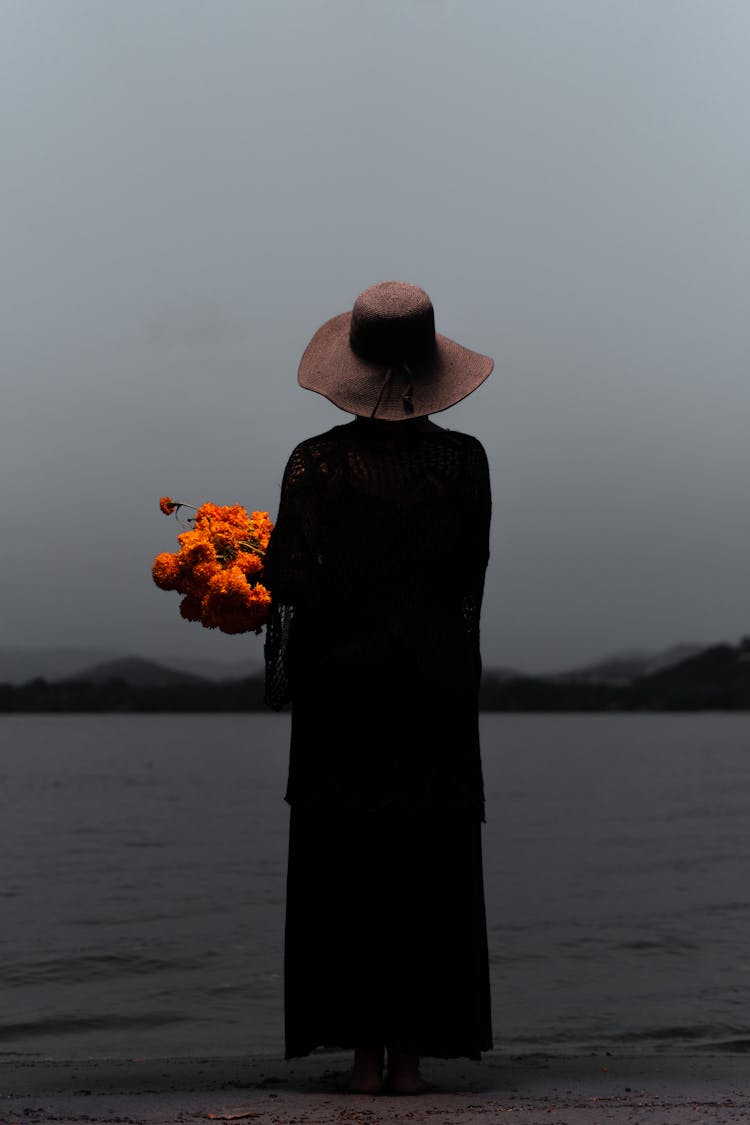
403,1074
367,1074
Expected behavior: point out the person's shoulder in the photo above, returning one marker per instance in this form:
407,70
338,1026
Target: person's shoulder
311,452
335,436
459,435
468,442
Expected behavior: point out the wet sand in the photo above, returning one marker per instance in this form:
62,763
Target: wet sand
522,1090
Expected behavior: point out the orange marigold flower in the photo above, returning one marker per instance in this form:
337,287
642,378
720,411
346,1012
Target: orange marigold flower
229,580
196,549
218,567
248,563
261,527
190,608
198,578
208,515
231,602
261,596
236,516
166,571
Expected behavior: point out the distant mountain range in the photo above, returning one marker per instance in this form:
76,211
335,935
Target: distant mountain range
623,667
682,677
20,665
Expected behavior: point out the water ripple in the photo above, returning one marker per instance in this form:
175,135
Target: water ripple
63,1025
84,968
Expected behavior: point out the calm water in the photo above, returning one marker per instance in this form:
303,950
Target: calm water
143,862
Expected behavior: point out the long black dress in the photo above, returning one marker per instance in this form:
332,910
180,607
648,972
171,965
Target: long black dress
376,567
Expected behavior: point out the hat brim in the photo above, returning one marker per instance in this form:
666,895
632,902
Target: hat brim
331,368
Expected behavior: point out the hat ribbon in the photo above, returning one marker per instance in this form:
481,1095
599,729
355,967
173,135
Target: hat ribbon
406,397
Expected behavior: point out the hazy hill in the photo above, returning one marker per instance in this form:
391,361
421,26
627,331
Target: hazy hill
677,678
716,678
19,665
136,671
620,668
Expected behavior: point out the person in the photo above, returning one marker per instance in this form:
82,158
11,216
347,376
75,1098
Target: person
376,569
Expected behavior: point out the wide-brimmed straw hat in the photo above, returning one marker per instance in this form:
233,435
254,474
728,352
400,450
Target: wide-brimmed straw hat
385,360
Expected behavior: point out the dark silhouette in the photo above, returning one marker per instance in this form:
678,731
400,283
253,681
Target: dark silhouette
376,568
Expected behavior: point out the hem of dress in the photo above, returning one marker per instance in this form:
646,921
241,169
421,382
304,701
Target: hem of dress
432,1051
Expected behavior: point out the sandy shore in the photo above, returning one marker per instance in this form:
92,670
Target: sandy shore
530,1090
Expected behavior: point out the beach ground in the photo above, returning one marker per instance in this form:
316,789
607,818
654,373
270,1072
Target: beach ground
657,1089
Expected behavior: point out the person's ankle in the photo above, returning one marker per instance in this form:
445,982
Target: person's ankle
367,1073
403,1072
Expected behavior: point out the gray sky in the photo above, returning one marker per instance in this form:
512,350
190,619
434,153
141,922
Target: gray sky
190,188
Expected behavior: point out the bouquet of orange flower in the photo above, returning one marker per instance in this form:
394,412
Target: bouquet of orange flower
218,566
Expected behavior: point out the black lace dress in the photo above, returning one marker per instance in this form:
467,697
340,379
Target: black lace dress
376,567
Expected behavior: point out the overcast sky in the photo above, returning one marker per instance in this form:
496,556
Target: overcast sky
190,187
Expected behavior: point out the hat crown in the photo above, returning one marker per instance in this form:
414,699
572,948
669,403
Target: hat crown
385,359
393,322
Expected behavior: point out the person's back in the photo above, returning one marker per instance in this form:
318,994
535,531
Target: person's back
384,532
376,568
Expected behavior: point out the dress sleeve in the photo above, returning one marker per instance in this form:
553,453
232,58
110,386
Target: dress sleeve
287,573
476,543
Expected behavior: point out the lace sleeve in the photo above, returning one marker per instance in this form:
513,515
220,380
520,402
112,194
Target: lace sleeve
477,544
480,503
286,574
277,648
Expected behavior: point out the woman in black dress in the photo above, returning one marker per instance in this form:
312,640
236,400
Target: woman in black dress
376,568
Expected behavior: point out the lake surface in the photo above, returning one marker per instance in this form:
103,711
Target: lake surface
142,883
